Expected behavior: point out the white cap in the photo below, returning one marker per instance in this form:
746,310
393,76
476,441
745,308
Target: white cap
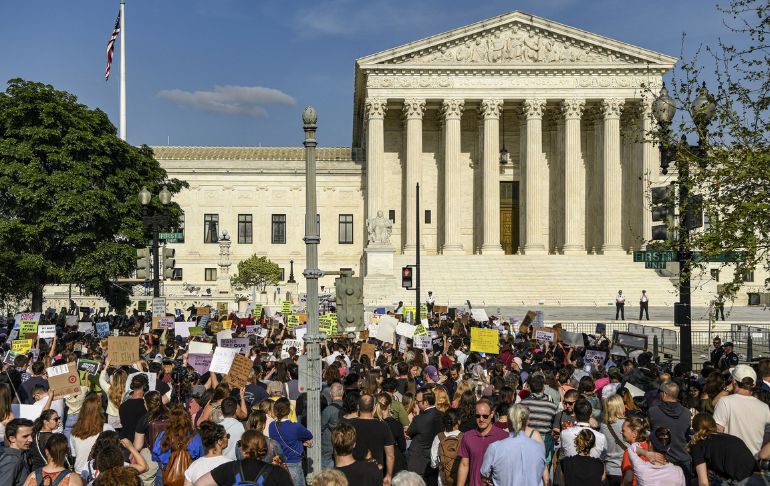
743,371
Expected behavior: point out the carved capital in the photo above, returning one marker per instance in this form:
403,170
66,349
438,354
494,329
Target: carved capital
414,108
648,98
376,108
490,109
452,109
572,108
612,107
534,108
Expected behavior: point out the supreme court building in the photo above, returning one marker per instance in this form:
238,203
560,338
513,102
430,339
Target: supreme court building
527,138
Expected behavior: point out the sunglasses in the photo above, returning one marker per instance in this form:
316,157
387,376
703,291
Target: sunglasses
55,419
482,416
569,403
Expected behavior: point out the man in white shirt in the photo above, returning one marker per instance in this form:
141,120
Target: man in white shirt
429,302
582,412
644,302
232,425
620,306
740,414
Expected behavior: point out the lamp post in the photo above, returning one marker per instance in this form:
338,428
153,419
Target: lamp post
664,109
154,220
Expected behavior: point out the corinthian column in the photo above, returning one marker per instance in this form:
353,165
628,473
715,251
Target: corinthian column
413,111
490,111
452,111
535,173
649,165
375,155
613,180
574,179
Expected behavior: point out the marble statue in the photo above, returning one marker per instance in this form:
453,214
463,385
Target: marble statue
379,229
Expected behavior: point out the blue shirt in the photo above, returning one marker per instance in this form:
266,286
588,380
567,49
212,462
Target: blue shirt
290,436
195,448
515,461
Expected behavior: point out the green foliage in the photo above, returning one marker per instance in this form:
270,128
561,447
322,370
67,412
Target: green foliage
256,271
69,211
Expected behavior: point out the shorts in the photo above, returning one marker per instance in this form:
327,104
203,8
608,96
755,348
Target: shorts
548,440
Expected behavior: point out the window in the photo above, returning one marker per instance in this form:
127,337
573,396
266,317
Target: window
211,274
346,229
748,276
245,229
210,228
281,275
427,216
177,274
278,236
392,215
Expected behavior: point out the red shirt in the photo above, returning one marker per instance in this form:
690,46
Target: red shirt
626,464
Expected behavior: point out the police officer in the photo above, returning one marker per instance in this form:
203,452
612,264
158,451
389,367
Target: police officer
729,359
717,352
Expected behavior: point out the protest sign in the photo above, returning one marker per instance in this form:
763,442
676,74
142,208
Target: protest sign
440,309
256,312
203,311
292,321
152,380
159,306
195,331
215,326
88,365
572,338
438,344
369,350
32,412
222,360
594,358
141,306
28,329
102,329
327,324
122,350
542,335
529,318
420,330
46,331
422,342
404,329
9,357
252,329
402,345
479,315
300,331
204,320
601,328
200,348
238,375
199,362
286,307
227,334
386,328
162,322
222,308
63,380
85,327
242,344
485,340
291,343
262,332
71,321
21,346
226,324
182,329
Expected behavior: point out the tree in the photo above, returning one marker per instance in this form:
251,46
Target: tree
69,211
731,169
256,272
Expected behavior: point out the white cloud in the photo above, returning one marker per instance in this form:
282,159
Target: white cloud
230,100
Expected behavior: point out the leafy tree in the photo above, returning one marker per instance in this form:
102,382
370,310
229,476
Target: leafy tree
69,211
731,168
256,272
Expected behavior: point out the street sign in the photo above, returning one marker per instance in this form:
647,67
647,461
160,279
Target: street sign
171,237
673,256
655,256
725,256
655,265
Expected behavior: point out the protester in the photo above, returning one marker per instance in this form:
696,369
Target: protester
43,427
329,477
13,461
292,437
382,408
582,469
475,443
582,416
233,426
661,471
423,429
176,447
443,451
739,413
89,425
215,439
612,429
364,473
676,419
110,451
54,471
330,416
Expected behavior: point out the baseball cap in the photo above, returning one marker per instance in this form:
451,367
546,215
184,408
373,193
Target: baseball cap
432,372
729,343
742,371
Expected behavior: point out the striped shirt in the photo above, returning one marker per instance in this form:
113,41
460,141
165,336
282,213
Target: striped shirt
541,411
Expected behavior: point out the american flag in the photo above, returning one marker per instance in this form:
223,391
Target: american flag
111,47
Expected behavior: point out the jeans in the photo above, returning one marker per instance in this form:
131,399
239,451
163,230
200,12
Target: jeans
68,423
296,473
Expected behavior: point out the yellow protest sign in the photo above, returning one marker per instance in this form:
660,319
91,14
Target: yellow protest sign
292,322
227,324
256,312
485,340
222,308
21,346
28,329
420,330
286,307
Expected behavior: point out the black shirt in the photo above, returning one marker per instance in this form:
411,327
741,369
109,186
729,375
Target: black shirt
726,455
372,436
225,474
582,471
130,412
362,473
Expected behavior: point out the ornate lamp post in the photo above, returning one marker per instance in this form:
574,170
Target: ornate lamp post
154,220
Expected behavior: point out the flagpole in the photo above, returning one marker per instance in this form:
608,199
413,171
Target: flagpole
122,70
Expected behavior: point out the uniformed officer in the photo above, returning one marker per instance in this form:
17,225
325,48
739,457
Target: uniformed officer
717,352
729,358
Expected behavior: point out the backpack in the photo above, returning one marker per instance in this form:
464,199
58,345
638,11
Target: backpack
39,480
448,462
180,460
240,478
154,429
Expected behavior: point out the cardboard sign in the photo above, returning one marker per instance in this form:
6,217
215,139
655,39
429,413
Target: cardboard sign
479,315
222,360
88,365
423,342
541,335
485,340
123,350
46,331
102,329
200,348
238,375
199,362
63,380
369,350
22,346
203,311
291,343
159,306
440,309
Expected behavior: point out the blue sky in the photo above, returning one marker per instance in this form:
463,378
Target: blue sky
239,72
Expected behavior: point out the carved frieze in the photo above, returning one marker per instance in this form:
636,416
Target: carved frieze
508,81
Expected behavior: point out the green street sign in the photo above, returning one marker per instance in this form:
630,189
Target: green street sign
725,257
655,256
655,265
171,237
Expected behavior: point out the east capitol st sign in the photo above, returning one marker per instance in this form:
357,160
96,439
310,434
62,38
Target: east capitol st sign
658,259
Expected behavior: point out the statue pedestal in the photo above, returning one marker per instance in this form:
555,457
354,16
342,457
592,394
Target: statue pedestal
379,279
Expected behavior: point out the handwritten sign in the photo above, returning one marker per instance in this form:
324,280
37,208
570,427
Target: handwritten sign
200,348
199,362
420,330
28,329
404,329
423,342
222,360
227,324
63,380
203,311
102,329
123,350
159,306
21,346
238,375
161,322
291,343
485,340
479,315
292,322
368,349
541,335
45,331
256,312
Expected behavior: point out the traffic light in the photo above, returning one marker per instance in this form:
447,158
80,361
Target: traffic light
350,302
143,263
168,262
694,215
407,279
663,209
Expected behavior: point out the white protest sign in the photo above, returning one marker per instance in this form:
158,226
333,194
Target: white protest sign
543,336
86,327
46,331
404,329
572,338
262,332
289,343
226,334
222,360
182,329
300,332
200,348
423,342
159,306
386,328
402,345
479,315
152,378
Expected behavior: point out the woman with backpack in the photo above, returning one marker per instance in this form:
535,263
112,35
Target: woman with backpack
215,439
176,447
292,437
443,451
54,472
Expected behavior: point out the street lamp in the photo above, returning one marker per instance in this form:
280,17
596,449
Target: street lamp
154,220
703,110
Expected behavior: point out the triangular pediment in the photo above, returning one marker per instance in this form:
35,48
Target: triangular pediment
517,39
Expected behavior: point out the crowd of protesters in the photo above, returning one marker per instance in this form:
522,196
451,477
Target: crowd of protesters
537,412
